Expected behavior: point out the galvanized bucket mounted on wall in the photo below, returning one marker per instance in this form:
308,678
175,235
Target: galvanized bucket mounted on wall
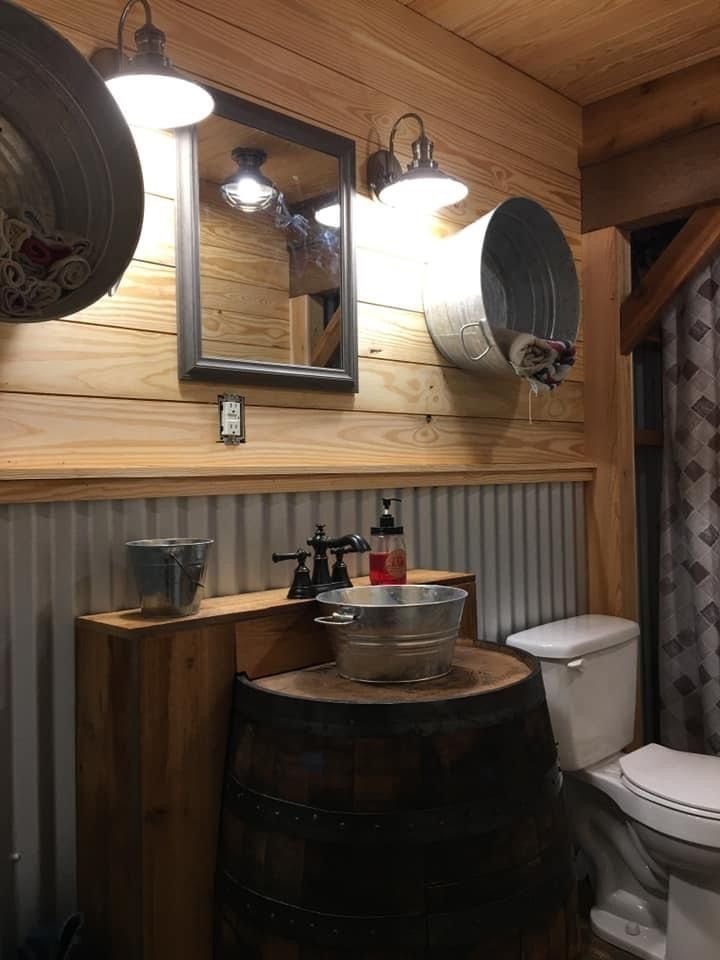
508,274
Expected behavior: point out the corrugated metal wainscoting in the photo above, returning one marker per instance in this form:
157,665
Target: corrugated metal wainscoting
526,543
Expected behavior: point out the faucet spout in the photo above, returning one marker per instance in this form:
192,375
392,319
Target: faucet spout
351,543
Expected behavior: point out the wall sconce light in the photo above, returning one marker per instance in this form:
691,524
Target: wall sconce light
423,186
149,90
249,189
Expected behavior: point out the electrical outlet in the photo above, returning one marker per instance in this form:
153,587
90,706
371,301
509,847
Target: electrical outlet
231,413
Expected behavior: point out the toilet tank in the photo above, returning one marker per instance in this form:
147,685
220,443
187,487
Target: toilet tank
589,668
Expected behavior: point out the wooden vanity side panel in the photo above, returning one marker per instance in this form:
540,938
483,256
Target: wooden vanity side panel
109,844
288,640
185,696
469,624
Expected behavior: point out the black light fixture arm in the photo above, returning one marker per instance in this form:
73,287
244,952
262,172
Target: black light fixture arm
406,116
149,39
422,148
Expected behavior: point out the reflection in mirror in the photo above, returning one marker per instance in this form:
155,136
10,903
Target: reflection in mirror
271,280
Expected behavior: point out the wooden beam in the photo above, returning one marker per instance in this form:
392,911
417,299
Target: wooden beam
688,252
306,324
659,182
328,342
610,500
665,108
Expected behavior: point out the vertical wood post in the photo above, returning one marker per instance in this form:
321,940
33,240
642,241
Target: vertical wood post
609,432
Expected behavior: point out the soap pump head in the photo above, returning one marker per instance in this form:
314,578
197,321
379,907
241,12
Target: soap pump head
387,523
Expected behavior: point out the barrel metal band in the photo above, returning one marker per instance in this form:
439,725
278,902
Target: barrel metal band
400,827
547,894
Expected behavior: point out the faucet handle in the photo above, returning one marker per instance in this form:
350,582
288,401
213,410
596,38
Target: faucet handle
300,555
301,587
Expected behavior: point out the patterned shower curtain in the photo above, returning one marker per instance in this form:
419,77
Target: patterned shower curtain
689,663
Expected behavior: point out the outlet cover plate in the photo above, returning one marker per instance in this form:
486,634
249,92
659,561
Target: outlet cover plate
231,417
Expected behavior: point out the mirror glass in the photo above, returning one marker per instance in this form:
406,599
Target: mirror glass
266,290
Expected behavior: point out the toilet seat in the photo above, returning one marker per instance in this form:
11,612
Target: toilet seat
661,814
689,782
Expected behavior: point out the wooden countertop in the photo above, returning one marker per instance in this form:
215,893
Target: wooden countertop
242,606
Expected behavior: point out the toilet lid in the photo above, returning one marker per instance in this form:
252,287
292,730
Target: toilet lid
688,780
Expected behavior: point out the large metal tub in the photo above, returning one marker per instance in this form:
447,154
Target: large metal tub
393,634
508,274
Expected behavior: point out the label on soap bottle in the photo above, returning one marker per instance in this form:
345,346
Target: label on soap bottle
388,568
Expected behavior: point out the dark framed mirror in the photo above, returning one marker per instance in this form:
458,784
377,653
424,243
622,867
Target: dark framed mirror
265,257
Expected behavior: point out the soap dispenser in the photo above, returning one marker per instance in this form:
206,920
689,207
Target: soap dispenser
388,557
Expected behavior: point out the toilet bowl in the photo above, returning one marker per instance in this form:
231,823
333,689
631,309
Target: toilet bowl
648,820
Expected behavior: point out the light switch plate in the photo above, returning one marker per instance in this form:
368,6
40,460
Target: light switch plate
231,415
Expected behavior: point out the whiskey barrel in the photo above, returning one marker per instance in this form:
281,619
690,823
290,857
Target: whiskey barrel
395,822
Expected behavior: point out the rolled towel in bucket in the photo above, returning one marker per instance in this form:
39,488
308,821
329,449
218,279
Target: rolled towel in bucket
543,363
16,232
14,303
41,293
11,274
71,272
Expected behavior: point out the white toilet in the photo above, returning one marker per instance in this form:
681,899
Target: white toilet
649,821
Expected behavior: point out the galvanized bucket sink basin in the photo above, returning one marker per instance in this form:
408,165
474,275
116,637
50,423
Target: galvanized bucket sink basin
393,634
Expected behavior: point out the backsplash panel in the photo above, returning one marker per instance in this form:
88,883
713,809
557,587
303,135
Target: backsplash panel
526,544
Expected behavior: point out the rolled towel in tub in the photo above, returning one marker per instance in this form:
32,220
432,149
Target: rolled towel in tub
14,303
71,272
41,293
16,232
543,363
11,274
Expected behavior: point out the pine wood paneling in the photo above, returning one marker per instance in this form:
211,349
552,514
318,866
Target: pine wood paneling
66,436
76,360
586,51
97,395
374,62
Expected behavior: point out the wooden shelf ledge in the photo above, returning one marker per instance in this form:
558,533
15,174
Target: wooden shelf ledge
238,607
52,484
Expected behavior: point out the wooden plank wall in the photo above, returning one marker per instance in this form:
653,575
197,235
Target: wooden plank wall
97,395
250,264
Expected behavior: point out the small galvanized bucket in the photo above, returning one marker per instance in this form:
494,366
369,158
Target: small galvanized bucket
169,575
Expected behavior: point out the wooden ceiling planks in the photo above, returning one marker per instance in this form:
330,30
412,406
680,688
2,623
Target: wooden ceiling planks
585,51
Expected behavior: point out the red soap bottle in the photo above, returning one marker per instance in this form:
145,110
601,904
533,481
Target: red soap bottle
388,556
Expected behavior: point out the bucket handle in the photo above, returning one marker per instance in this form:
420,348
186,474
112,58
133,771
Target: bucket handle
193,581
337,620
488,345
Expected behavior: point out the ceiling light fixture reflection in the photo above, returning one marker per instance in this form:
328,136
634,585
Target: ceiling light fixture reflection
329,215
423,186
249,189
148,89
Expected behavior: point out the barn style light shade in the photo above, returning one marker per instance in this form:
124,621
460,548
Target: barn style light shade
249,189
148,89
423,186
